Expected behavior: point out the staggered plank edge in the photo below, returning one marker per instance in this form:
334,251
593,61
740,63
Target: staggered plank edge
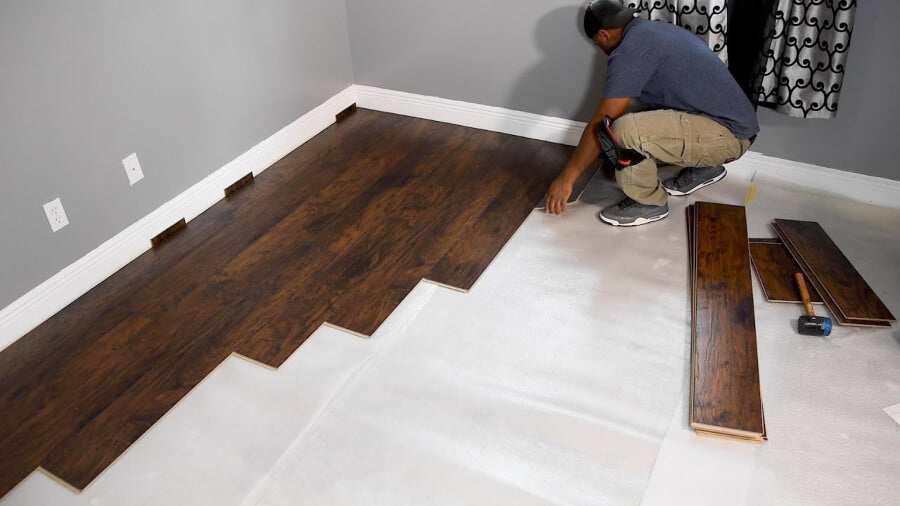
726,399
260,271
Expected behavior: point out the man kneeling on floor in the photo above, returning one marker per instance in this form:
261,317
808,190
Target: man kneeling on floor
699,117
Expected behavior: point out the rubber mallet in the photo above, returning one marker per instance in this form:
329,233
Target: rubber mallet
810,324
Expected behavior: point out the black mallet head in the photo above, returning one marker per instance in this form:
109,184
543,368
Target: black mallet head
814,325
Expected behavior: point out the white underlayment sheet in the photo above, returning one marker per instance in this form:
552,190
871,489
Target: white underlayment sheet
561,378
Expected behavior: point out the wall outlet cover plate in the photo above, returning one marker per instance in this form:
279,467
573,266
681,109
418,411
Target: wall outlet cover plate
56,215
133,168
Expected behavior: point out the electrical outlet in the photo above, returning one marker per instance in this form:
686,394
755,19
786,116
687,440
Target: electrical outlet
56,215
133,168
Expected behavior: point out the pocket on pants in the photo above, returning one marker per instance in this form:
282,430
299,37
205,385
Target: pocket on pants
720,152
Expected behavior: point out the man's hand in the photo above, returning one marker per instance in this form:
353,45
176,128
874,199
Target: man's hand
587,151
558,195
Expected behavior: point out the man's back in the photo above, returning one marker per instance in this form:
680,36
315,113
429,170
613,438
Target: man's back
668,67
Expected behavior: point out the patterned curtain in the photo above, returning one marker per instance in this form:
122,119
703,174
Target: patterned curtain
801,69
707,18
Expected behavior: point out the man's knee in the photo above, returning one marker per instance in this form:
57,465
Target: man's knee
626,132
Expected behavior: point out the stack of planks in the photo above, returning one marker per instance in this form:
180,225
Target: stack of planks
846,294
725,392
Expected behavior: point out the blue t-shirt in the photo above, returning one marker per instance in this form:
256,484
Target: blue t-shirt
668,67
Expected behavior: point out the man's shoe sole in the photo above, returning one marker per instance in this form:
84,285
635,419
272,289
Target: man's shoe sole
639,221
677,193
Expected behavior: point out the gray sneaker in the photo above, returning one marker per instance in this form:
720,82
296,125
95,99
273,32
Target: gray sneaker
691,179
629,213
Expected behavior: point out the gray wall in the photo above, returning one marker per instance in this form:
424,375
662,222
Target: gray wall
530,55
188,85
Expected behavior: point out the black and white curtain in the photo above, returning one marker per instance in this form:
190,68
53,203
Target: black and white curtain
707,18
788,55
801,68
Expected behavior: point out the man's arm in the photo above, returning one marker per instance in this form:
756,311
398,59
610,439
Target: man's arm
587,151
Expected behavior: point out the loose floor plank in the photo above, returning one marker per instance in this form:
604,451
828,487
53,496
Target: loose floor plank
853,297
775,269
725,388
816,283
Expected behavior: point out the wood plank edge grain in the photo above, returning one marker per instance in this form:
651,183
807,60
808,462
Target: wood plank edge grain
692,256
352,332
57,479
445,285
254,362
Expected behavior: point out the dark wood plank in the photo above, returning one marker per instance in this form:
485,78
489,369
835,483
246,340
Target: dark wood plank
853,297
470,184
53,392
397,205
814,281
775,268
725,373
466,260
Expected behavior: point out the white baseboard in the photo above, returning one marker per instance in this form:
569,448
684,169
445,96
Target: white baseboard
859,187
485,117
56,293
49,297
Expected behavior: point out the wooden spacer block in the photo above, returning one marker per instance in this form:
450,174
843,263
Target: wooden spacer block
240,183
168,233
346,113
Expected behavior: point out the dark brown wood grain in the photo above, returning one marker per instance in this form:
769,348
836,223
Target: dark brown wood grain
775,269
853,297
41,390
468,258
339,230
725,389
504,167
201,325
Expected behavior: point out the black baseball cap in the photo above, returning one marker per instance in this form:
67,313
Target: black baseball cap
606,15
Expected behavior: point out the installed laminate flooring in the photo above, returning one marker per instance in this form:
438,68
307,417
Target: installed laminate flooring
339,231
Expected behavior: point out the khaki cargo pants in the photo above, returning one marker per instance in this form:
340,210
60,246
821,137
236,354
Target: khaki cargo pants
668,137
